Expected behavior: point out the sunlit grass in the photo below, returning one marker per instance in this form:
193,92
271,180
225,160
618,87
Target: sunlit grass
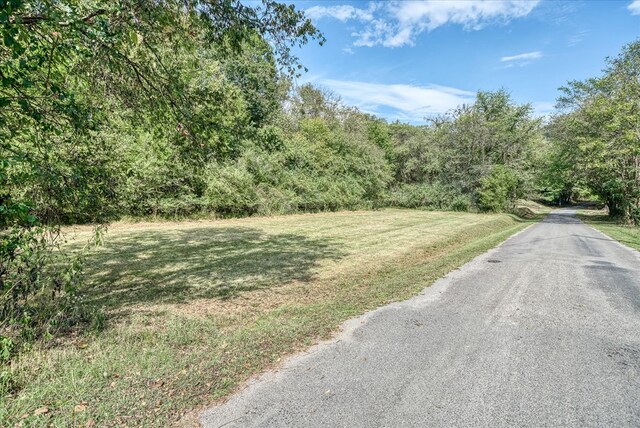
628,235
196,308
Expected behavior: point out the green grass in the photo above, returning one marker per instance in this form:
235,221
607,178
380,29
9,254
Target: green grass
196,308
628,235
536,207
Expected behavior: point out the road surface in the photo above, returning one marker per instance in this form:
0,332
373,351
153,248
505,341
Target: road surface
541,331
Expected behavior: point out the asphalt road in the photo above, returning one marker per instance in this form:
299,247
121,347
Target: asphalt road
543,330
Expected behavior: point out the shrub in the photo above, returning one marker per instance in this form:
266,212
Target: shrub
431,196
230,189
461,203
498,190
38,283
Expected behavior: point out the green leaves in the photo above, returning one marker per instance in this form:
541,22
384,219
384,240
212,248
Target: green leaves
134,37
498,190
599,130
89,85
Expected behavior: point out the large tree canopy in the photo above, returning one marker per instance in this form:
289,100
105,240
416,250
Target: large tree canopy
598,134
65,66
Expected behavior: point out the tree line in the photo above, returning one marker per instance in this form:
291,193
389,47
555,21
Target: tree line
595,138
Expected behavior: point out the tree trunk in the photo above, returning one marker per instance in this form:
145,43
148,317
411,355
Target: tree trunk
615,209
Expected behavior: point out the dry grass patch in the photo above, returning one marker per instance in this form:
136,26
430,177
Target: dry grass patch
196,308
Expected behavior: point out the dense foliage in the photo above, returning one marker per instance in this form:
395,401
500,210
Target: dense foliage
481,155
596,138
186,108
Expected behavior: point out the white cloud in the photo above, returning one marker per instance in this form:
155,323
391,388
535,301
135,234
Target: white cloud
634,7
397,23
577,38
523,57
404,102
342,13
543,108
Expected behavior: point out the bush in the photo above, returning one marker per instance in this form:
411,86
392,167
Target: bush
498,190
430,196
38,282
461,203
230,189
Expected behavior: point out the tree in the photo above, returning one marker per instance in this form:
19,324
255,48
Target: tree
494,131
75,71
602,122
66,64
498,190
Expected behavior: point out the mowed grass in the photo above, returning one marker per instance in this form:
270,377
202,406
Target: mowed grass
196,308
536,207
628,235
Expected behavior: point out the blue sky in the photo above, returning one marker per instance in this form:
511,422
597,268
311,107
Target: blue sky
414,59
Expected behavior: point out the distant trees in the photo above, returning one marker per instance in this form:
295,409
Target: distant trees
183,108
492,131
479,155
596,138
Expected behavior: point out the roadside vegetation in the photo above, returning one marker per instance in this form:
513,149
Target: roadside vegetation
184,110
595,139
626,234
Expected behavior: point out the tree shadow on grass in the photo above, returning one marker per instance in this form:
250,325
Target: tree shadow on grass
180,265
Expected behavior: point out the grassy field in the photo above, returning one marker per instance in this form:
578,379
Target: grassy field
196,308
628,235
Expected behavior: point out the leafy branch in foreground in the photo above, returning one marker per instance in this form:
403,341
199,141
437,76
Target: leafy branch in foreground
65,68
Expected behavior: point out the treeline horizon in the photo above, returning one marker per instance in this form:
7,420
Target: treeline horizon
308,152
205,122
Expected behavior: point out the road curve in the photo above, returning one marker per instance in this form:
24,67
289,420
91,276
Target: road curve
541,331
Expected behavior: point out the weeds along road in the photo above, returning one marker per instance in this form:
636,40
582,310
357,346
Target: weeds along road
543,330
